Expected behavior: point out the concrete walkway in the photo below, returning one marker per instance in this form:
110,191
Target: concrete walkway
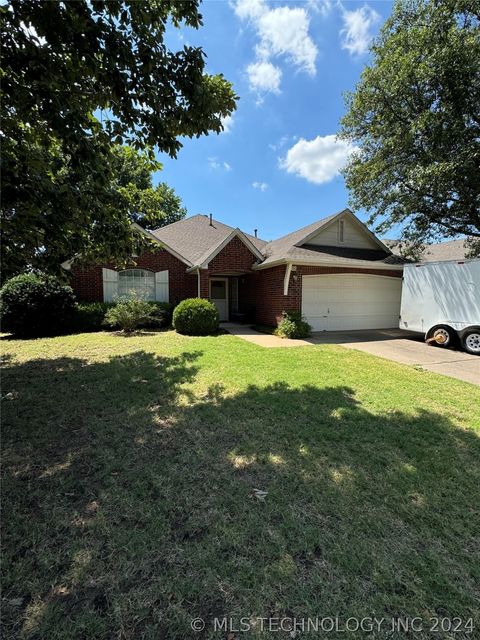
393,344
261,339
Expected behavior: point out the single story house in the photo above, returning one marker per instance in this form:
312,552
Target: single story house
335,271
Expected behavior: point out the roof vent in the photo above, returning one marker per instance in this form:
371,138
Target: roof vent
211,218
255,232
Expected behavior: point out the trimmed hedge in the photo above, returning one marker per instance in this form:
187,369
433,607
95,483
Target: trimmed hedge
292,326
34,305
196,317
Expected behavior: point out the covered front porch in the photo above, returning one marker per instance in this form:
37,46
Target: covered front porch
233,295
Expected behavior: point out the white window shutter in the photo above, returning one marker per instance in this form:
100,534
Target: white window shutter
110,285
161,286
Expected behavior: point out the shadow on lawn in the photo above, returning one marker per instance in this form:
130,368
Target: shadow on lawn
130,506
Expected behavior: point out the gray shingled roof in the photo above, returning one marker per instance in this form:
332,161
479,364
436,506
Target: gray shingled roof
194,238
449,250
285,248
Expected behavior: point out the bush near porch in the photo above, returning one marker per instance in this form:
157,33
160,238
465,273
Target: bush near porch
292,326
196,317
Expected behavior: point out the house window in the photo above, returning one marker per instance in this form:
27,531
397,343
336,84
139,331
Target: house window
148,285
341,230
136,282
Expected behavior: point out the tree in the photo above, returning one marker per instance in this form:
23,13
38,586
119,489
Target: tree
150,207
415,117
79,78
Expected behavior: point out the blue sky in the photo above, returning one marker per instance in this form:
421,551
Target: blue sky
276,166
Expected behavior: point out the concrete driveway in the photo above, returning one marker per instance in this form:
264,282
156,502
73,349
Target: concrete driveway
400,346
408,348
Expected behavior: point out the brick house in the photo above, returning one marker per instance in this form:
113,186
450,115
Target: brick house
336,272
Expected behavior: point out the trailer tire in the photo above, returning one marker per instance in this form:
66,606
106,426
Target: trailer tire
471,341
446,333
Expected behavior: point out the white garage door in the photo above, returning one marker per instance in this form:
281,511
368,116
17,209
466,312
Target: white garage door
344,302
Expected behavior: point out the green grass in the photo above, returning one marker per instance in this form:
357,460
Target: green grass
129,470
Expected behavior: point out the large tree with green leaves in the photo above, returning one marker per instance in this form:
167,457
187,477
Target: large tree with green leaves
78,79
149,206
415,116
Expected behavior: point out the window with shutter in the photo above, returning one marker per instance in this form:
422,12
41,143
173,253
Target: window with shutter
110,285
135,282
138,283
161,286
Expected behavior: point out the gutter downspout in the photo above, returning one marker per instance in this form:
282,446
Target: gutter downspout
198,282
286,279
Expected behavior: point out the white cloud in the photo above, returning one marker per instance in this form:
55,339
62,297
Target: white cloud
264,76
249,9
218,165
357,31
227,123
282,142
282,32
318,160
261,186
323,7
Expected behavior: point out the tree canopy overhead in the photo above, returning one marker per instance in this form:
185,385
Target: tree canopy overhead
79,78
415,116
150,207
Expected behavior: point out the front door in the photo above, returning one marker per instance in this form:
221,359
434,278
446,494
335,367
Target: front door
219,296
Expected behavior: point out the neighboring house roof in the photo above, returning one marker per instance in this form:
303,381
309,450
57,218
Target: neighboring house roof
295,247
449,250
197,240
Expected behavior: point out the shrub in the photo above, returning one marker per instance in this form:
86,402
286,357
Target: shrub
196,317
162,313
292,325
36,305
90,316
130,314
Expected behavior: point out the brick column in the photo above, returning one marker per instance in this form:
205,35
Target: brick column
204,287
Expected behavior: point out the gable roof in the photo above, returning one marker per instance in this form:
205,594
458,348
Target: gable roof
294,247
197,240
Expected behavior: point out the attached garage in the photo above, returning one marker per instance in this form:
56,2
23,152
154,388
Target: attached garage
344,302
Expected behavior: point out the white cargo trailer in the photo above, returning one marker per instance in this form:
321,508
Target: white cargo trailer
442,300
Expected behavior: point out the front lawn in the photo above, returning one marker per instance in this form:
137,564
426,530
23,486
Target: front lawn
130,466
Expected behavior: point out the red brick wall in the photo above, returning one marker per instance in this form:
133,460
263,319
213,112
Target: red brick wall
262,289
87,282
234,257
270,301
204,284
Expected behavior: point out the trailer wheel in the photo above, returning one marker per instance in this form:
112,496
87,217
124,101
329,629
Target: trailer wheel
441,336
471,342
